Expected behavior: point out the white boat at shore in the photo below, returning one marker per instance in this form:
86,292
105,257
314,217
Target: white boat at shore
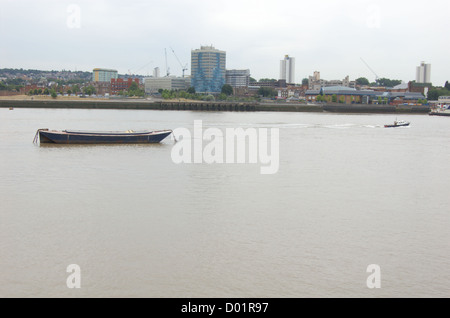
441,110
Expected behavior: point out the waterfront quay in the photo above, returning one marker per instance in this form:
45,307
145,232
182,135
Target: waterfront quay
212,106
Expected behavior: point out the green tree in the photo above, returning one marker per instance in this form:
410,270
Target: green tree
89,90
388,82
191,90
53,93
134,90
342,100
227,90
76,89
334,98
222,96
271,80
266,92
435,93
166,94
362,81
140,92
305,81
252,80
134,86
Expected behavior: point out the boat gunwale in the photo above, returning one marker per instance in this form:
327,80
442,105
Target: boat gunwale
105,133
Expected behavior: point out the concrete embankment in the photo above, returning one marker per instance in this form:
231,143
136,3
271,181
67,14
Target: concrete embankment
127,104
356,108
210,106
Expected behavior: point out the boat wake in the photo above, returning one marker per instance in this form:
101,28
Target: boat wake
299,125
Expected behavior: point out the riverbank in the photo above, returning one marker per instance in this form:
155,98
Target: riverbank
97,103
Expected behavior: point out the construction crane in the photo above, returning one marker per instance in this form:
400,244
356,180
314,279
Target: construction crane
137,69
376,76
184,68
167,68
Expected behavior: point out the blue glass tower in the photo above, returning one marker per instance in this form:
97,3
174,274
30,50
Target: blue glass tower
208,70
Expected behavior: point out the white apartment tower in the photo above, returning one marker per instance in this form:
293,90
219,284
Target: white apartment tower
156,72
287,69
423,73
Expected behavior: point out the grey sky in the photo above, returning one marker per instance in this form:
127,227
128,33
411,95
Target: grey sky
393,37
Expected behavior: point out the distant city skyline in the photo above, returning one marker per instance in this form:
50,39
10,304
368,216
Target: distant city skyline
133,36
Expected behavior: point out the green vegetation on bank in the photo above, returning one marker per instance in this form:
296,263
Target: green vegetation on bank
133,91
267,92
434,93
12,84
190,94
386,82
362,81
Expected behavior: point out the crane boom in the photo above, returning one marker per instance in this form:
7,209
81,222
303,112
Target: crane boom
167,69
184,68
376,76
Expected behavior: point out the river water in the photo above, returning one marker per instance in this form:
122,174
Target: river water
348,193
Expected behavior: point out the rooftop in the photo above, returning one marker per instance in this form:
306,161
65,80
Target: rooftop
104,70
401,86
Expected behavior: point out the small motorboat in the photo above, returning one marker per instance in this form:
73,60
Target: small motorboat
98,137
398,123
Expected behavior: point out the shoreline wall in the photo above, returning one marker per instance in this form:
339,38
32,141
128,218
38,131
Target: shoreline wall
212,106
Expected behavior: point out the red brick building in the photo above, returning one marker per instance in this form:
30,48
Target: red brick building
422,88
118,85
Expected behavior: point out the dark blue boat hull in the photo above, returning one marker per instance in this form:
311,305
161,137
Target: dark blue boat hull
395,126
96,138
439,114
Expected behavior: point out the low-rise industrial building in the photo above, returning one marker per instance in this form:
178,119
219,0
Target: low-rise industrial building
154,84
348,95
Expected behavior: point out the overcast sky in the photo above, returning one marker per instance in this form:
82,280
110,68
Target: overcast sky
329,36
